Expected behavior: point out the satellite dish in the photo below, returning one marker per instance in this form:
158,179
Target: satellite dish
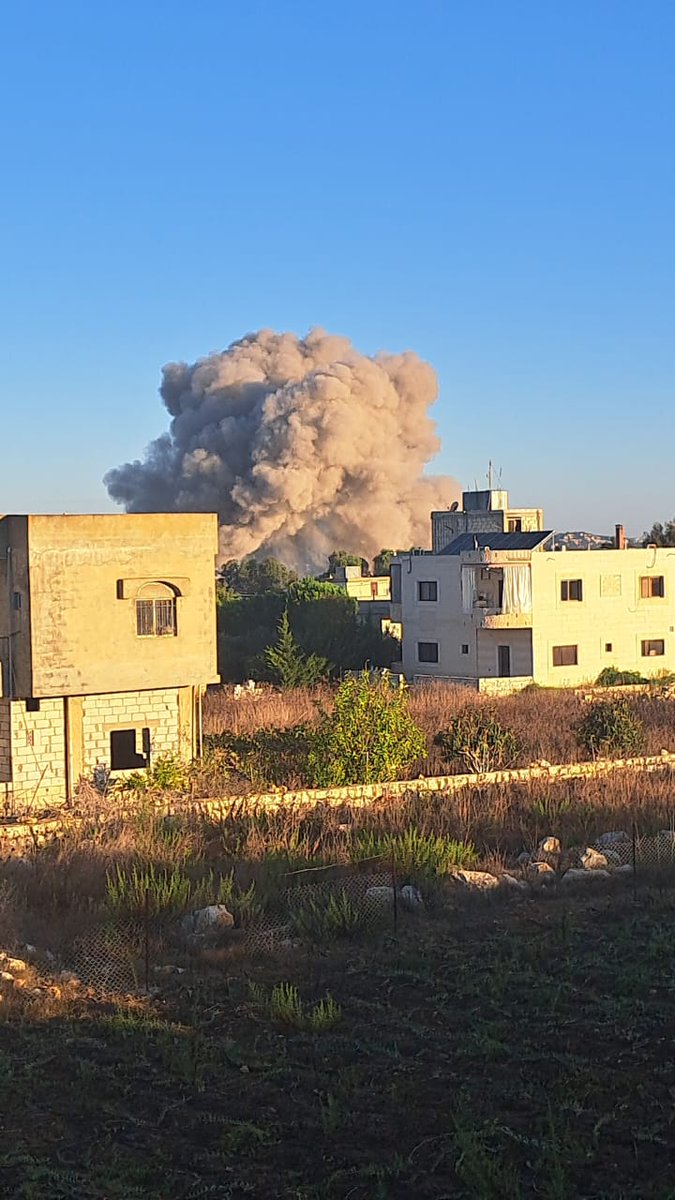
454,506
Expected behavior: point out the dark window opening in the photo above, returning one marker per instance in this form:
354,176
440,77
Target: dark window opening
465,649
16,601
652,586
427,589
123,753
156,618
515,524
608,647
653,647
373,589
32,705
504,661
571,589
427,652
565,656
395,575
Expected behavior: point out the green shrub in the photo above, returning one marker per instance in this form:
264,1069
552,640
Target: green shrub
288,665
416,854
610,728
167,773
477,739
612,677
276,757
329,917
285,1005
168,892
370,737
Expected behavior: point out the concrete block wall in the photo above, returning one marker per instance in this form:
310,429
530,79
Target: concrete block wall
37,767
158,711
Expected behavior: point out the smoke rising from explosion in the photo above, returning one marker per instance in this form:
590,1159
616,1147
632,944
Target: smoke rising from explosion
301,446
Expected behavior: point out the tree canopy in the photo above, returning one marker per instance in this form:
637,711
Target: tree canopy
255,577
661,535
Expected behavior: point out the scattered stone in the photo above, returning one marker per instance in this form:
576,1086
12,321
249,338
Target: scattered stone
476,879
7,977
212,919
411,897
13,964
613,859
524,859
580,874
593,860
67,977
541,873
380,895
667,835
516,885
549,845
169,969
616,837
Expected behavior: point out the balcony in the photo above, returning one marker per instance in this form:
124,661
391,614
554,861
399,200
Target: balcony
485,617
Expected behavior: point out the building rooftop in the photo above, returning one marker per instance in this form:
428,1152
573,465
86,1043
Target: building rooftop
493,540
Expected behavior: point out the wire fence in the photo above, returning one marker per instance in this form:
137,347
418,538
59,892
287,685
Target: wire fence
316,906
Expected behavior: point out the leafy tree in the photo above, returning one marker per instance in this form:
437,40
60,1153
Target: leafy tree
382,562
661,535
255,577
342,558
477,739
288,664
610,727
370,736
304,590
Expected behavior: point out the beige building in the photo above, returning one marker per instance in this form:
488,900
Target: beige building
107,640
373,594
495,606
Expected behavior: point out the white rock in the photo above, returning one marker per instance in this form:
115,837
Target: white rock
516,885
616,837
477,879
549,845
13,964
613,859
6,977
380,895
579,875
211,919
593,860
411,896
541,873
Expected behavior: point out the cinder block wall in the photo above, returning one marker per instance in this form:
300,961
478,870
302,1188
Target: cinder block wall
37,775
157,711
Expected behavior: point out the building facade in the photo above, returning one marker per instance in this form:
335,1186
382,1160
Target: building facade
498,608
107,641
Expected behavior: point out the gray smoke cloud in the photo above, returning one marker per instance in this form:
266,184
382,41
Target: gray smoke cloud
301,445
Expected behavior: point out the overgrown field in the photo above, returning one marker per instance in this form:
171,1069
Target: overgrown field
266,733
490,1052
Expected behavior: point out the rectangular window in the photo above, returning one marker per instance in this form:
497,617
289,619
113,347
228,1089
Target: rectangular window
123,753
653,648
427,652
465,649
652,586
427,589
155,618
373,589
515,524
571,589
395,576
16,601
608,647
32,705
565,656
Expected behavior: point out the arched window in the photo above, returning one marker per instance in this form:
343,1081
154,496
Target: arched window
156,610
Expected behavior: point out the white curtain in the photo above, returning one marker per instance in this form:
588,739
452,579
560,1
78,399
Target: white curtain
517,589
468,588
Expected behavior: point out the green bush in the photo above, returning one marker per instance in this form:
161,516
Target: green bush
268,756
370,737
288,665
285,1005
612,677
168,892
416,854
329,917
167,773
477,739
610,728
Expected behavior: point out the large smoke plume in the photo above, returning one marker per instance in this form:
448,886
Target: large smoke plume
301,446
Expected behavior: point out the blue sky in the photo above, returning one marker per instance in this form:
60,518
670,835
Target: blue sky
488,184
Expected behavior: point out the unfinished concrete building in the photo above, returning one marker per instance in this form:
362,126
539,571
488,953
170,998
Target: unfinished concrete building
107,641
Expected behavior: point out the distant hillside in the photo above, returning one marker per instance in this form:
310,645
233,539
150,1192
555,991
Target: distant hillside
579,539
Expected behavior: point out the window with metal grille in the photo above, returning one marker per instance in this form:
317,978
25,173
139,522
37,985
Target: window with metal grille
427,652
565,656
427,589
156,618
653,647
571,589
652,586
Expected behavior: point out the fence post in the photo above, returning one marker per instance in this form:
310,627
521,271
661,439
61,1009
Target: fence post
146,936
634,859
394,884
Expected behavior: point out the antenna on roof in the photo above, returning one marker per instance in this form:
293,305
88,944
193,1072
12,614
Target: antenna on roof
489,475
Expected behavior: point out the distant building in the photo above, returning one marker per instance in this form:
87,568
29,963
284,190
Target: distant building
373,593
493,605
107,640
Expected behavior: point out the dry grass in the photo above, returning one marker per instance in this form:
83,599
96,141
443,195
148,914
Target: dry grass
543,719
